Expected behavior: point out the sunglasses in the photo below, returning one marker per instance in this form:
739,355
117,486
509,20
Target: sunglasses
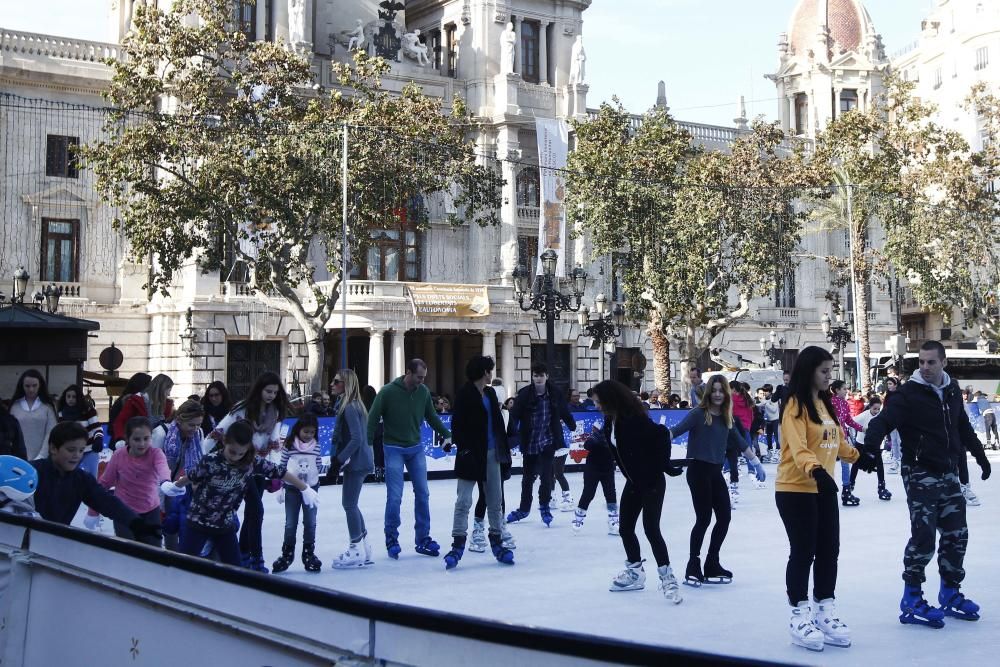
337,381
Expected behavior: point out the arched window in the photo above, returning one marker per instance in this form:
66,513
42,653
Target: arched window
527,187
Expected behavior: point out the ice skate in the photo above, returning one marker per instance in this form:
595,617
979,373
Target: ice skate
715,573
632,578
353,557
478,542
953,603
567,504
835,632
309,560
506,537
546,515
457,550
428,547
917,611
734,495
803,630
893,468
971,498
285,559
392,547
612,519
503,555
847,497
693,576
368,550
578,518
668,585
884,493
516,516
255,562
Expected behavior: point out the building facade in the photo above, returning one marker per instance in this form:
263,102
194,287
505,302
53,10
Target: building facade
211,327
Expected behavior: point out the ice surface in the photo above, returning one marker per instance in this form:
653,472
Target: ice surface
561,579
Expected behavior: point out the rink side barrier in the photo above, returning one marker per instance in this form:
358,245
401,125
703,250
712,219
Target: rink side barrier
72,597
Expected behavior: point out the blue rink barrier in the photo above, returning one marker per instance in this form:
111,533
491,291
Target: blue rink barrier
158,607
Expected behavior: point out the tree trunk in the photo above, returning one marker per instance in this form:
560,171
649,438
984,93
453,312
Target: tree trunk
860,278
315,333
689,360
661,356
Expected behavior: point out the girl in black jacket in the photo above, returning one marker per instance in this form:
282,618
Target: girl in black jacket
628,430
477,430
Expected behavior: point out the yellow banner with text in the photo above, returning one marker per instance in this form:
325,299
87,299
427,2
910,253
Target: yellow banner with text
445,300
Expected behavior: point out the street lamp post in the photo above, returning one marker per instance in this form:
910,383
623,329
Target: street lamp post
605,328
839,334
547,300
774,352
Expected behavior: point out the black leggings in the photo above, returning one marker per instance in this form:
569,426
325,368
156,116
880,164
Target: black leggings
709,494
879,467
532,466
592,476
812,522
253,517
990,424
649,501
771,432
480,511
558,472
733,457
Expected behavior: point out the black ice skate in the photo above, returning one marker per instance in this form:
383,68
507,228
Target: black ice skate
715,573
693,576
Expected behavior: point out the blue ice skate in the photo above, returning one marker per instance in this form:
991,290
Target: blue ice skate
953,603
516,516
392,547
917,611
428,547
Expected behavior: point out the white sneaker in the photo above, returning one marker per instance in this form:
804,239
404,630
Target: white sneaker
970,496
477,542
632,578
352,558
803,630
668,585
567,504
835,632
578,517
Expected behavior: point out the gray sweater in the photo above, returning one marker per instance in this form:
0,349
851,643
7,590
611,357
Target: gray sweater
708,443
35,425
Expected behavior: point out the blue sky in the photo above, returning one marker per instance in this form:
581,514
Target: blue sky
709,52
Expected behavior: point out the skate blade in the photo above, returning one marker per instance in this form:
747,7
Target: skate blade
909,620
718,581
839,643
476,550
693,583
818,648
625,589
351,566
960,616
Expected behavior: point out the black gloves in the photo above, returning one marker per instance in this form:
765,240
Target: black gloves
143,531
984,465
334,470
866,461
824,483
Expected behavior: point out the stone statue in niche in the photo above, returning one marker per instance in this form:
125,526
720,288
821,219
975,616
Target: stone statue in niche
296,22
578,62
508,40
413,48
356,39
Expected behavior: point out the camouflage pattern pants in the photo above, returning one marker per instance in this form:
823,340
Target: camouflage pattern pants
936,505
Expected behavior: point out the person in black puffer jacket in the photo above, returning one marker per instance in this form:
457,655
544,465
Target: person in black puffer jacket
628,430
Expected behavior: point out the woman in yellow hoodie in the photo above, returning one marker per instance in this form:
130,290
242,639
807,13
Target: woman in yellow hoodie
806,495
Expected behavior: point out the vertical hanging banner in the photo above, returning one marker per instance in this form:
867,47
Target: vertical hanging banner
553,146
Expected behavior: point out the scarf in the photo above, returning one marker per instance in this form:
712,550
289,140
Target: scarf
173,445
268,420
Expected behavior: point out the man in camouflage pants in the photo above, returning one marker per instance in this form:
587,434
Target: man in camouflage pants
935,434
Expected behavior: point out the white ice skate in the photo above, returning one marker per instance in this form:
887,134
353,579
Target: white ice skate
668,585
803,630
613,522
734,495
632,578
368,551
578,518
893,468
835,632
971,498
567,504
352,558
478,541
506,539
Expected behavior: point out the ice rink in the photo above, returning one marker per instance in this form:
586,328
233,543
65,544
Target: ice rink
561,579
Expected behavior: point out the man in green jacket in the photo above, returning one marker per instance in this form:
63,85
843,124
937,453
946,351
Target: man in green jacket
403,405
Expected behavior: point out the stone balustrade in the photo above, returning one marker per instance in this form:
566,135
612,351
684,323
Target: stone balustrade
33,44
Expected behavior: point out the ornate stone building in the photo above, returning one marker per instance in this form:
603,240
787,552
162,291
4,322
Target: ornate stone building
210,327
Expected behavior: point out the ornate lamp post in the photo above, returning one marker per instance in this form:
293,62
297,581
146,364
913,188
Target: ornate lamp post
547,300
774,353
187,335
605,328
52,294
20,285
839,334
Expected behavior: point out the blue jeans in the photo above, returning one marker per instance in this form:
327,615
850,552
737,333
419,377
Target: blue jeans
293,503
412,456
845,473
193,540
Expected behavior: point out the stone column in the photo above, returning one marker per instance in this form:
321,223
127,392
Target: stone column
398,356
376,371
792,117
517,46
261,20
836,102
280,20
490,344
507,362
543,54
507,150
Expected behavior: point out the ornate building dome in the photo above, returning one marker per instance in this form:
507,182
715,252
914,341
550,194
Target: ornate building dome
846,22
